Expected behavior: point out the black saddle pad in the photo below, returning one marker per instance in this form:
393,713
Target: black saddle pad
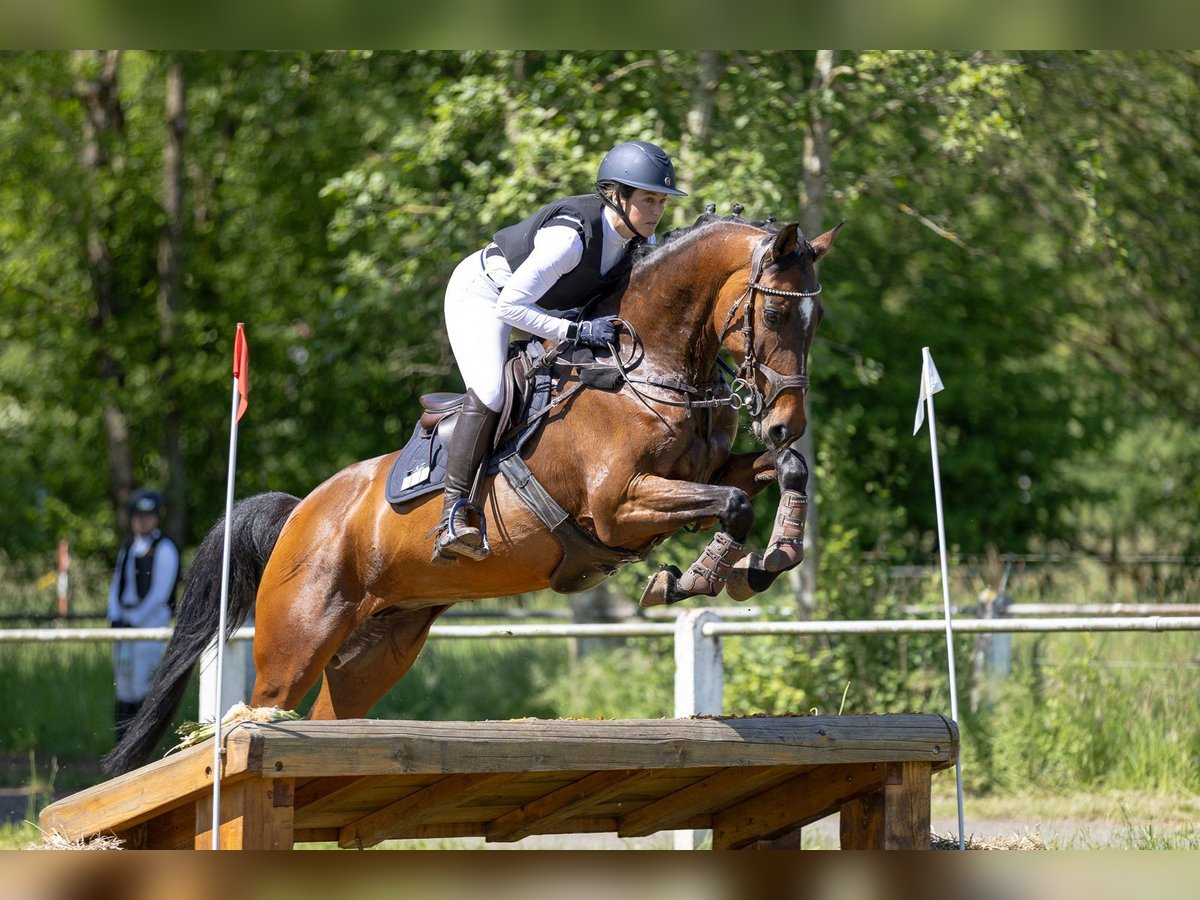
420,468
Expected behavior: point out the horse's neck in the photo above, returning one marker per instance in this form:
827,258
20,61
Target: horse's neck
673,310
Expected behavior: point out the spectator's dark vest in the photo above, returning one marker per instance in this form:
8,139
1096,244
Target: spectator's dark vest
143,571
584,281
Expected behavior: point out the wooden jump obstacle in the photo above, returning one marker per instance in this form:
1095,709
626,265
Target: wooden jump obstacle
754,781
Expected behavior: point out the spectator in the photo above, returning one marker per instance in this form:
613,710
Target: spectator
142,596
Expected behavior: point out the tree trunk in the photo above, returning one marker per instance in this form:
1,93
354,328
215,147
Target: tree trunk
103,127
170,251
812,221
704,95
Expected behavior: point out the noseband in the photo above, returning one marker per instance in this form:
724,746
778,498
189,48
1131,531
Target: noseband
744,387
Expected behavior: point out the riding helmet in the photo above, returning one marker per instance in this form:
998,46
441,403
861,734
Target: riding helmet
144,501
639,164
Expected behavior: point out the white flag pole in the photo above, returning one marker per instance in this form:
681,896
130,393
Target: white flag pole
220,639
931,383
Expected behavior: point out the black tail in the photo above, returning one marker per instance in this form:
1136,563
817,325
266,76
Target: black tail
257,522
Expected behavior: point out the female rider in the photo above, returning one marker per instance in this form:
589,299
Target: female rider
564,254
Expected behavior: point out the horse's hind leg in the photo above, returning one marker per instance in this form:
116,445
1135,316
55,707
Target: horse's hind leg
377,655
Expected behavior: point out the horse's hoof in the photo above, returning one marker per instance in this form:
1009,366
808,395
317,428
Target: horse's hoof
661,590
749,577
783,555
738,586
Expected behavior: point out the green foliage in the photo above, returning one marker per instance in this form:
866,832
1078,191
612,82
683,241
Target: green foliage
1094,709
626,680
996,204
474,680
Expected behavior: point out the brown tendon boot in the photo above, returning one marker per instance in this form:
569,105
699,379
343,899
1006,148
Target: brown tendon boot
469,445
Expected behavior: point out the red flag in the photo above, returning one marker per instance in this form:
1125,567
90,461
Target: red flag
241,370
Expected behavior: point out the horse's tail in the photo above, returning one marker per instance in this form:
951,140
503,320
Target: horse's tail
257,522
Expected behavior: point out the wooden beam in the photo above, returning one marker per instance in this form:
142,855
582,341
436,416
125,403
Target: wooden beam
719,789
256,814
305,749
318,794
861,824
548,810
441,796
795,803
132,798
906,806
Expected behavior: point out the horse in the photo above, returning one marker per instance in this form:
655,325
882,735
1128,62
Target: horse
342,586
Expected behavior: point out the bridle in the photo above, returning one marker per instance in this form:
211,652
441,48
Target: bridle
744,386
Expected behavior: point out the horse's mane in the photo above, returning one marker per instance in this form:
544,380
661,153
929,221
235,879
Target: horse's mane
679,238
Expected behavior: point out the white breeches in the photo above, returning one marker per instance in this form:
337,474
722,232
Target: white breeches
478,338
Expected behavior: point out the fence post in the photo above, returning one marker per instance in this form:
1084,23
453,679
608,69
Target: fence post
699,671
699,684
237,675
64,567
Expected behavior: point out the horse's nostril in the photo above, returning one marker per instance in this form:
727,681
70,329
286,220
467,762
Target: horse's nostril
777,434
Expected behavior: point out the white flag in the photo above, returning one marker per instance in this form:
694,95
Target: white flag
931,383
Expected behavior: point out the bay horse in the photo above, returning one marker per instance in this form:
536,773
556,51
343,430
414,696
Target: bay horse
343,588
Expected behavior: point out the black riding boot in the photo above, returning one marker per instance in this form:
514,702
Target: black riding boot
469,445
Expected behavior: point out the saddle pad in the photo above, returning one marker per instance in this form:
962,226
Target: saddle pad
420,468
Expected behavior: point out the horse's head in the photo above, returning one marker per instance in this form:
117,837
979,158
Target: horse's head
779,313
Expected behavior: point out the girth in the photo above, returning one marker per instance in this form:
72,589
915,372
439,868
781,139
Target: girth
585,561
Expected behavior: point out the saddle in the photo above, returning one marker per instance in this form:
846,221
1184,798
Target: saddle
420,468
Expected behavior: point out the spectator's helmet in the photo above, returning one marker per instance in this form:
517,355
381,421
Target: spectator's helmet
145,501
638,164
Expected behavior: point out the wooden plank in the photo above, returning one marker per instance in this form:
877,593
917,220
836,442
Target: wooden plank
795,803
563,803
319,794
714,792
861,825
256,814
175,829
453,790
134,797
906,806
364,747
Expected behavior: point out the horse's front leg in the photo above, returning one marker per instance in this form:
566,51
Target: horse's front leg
753,573
655,505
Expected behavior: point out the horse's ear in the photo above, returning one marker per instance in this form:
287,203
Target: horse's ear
786,242
822,244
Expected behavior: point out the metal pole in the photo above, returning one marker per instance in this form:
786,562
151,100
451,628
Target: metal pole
926,374
220,641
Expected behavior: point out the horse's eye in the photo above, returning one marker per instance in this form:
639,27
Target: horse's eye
771,315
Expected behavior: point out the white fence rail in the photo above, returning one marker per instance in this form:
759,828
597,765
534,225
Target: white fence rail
697,634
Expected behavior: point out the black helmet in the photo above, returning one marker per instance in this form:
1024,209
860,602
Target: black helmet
639,165
144,501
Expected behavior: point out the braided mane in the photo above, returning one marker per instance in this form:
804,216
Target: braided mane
678,238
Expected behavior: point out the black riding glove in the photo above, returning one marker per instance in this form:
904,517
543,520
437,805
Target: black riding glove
595,334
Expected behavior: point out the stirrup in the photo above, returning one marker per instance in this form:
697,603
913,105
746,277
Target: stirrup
450,544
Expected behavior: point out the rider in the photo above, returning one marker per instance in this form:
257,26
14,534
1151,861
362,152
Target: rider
527,278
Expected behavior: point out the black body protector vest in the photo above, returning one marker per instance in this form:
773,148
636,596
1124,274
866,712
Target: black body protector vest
583,213
143,571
